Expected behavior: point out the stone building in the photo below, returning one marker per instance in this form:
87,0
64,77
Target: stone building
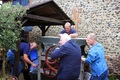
101,17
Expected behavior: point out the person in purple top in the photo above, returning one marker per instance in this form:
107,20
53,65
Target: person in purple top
25,48
70,58
69,30
24,52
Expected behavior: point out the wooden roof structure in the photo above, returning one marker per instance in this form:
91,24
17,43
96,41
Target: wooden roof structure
45,13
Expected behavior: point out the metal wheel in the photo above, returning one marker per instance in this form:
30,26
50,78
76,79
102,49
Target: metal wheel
50,67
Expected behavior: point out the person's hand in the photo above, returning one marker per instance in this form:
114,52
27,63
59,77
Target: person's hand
89,46
34,65
59,35
83,58
26,66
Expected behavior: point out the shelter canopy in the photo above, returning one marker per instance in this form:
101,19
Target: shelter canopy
45,13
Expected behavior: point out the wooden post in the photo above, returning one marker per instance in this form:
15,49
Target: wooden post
16,60
39,67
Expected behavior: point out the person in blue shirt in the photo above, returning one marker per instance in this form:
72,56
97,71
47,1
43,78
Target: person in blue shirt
24,52
34,70
70,58
69,30
96,59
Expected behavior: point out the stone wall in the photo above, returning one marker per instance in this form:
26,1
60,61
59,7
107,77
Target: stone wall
99,16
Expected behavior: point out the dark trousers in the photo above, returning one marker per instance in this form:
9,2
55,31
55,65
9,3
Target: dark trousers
73,78
103,76
33,76
67,79
26,74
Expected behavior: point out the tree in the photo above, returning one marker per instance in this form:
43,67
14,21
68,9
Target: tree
10,27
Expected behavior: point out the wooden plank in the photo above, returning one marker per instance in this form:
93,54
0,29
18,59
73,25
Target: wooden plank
44,18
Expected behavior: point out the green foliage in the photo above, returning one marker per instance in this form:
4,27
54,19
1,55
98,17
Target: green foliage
112,77
10,24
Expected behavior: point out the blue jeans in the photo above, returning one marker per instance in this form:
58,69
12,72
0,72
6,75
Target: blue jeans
10,56
103,76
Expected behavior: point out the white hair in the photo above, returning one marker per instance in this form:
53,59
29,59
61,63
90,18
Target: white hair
93,36
67,24
65,36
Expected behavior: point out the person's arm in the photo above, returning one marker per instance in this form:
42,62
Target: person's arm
58,35
25,64
74,35
61,32
91,57
25,57
56,54
59,52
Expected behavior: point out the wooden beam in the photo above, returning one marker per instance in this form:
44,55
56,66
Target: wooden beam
24,21
44,18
